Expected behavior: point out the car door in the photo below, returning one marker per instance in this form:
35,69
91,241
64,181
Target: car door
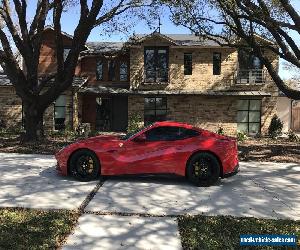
155,154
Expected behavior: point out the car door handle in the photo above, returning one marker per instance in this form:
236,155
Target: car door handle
111,151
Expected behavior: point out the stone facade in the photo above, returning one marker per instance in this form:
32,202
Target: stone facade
202,110
71,117
10,108
207,112
202,78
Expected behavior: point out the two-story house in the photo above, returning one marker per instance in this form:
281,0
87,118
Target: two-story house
157,77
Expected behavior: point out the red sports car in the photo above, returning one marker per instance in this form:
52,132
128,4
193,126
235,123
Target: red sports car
162,147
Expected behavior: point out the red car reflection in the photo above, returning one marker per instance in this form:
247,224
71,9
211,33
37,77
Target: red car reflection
162,147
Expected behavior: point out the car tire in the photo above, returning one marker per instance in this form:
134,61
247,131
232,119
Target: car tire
203,169
84,165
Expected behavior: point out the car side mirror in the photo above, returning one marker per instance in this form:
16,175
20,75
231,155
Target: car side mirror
140,138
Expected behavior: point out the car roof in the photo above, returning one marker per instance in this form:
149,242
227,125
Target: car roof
173,124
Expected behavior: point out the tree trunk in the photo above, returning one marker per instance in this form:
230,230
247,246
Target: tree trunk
33,122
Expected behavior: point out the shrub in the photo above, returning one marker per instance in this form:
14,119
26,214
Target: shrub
220,131
241,136
293,137
134,123
275,128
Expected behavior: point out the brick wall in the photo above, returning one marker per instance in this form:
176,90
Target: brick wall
47,60
268,110
10,107
71,113
202,78
11,110
208,112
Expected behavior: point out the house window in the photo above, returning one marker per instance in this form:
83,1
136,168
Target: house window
99,70
111,70
217,63
249,116
250,68
66,53
155,109
60,112
188,63
123,71
156,64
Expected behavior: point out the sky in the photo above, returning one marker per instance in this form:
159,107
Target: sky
70,19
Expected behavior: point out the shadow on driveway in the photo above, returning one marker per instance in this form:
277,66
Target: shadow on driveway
31,181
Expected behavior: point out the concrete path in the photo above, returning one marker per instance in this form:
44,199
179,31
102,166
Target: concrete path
31,181
267,190
127,232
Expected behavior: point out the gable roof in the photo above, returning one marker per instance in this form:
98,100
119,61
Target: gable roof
4,80
49,27
173,39
102,47
179,39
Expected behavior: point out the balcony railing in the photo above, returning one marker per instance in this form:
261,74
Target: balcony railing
250,76
158,76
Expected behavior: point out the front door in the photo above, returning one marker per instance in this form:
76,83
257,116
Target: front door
120,113
103,114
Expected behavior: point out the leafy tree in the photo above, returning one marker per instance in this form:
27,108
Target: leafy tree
21,34
229,21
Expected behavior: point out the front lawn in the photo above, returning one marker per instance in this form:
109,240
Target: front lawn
34,229
223,232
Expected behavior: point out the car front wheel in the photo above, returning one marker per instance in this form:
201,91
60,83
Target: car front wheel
84,165
203,169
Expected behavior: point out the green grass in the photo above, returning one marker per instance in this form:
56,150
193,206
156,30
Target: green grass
34,229
223,232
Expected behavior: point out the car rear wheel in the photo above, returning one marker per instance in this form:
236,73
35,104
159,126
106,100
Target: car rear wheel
203,169
84,165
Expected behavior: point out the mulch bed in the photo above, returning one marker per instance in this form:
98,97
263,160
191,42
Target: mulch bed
266,149
261,149
12,144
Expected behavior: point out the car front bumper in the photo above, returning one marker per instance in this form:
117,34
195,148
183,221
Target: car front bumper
234,172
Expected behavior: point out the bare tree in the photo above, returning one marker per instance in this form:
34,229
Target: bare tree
18,34
228,22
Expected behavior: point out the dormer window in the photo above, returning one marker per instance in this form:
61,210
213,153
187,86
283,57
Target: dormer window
156,64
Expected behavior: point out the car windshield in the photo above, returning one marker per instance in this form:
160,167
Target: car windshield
131,134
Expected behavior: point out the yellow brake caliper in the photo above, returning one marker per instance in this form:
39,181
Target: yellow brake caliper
197,168
91,165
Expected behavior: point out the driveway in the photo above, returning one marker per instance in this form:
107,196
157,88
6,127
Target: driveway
267,190
31,181
137,212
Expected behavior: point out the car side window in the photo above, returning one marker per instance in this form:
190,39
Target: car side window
162,134
170,133
187,133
